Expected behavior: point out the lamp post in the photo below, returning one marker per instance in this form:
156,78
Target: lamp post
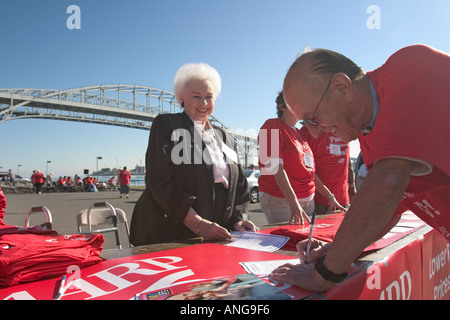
98,158
18,166
46,168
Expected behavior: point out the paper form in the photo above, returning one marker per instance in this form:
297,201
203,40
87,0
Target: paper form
265,268
259,241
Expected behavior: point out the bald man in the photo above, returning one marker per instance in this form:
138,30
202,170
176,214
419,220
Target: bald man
400,113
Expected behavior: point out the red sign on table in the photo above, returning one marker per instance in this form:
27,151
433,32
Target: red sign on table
124,278
436,267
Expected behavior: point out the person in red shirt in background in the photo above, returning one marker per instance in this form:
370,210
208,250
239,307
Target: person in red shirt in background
78,182
288,182
38,181
33,180
69,181
399,112
61,184
124,178
333,167
2,207
89,184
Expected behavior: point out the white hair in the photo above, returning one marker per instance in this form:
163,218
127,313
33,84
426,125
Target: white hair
199,71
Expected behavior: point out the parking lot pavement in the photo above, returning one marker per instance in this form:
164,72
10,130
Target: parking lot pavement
65,206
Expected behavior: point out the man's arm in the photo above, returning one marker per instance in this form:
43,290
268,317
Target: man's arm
369,216
370,212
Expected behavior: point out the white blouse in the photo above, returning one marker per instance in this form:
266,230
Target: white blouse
221,170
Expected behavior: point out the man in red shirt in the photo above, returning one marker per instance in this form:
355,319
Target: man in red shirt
389,109
38,181
124,178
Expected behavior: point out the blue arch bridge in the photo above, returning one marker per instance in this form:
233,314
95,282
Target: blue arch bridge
117,105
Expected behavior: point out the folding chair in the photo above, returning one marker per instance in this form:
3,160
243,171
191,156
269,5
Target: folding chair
48,214
103,213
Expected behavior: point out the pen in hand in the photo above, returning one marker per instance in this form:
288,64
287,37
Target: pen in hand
308,246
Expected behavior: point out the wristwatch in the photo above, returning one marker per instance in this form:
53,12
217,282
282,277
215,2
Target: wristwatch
328,275
331,196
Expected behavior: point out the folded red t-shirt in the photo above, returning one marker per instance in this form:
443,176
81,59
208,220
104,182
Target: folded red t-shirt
30,254
324,229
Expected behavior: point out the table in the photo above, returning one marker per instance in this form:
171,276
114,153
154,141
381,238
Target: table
414,267
405,247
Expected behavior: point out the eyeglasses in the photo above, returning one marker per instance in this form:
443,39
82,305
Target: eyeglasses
311,121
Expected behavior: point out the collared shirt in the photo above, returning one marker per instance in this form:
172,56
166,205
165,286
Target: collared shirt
376,109
221,170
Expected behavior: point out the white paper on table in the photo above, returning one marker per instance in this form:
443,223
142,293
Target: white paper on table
400,229
409,224
388,235
265,268
259,241
409,215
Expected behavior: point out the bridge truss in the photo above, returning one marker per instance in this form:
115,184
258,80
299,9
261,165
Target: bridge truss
118,105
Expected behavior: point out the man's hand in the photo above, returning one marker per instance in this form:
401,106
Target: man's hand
317,250
303,276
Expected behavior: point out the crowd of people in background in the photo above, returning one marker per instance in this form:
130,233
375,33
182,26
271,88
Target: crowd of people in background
51,183
66,183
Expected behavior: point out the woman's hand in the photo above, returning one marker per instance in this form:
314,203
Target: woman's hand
212,231
242,226
204,228
298,215
333,205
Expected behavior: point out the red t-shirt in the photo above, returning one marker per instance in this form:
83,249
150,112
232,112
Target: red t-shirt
413,87
2,207
124,177
331,156
29,254
295,154
38,177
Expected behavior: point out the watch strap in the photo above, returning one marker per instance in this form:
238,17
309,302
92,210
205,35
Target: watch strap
327,274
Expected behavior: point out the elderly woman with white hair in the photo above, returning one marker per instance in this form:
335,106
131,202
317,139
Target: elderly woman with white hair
194,183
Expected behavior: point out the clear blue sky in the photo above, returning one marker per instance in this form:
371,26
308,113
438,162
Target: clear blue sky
251,43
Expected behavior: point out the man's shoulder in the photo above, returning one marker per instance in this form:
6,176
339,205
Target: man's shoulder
418,55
